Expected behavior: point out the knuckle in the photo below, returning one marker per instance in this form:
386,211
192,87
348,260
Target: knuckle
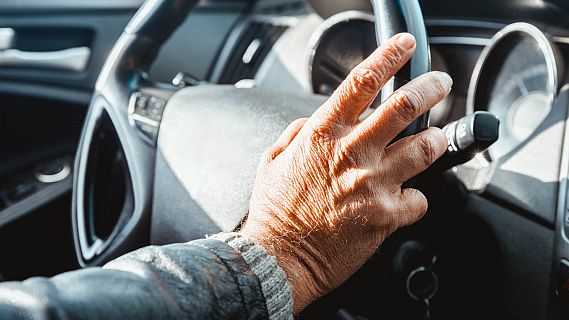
427,150
354,180
296,123
348,154
364,80
388,208
386,67
391,57
320,135
407,104
270,154
345,161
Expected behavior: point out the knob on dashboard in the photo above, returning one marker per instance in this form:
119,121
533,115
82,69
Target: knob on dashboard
52,171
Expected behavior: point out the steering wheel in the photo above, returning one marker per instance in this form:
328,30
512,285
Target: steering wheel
135,187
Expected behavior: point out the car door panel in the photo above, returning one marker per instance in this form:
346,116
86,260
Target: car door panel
48,69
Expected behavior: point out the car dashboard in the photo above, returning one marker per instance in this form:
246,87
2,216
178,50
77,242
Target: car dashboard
518,77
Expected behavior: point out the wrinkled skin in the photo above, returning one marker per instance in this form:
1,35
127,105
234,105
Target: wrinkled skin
329,191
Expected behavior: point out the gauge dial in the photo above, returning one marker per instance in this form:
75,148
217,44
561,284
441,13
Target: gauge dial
337,46
516,80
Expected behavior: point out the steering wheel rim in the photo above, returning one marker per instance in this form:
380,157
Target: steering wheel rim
391,18
124,75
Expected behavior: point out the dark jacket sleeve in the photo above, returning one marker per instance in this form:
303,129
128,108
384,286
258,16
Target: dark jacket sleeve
204,279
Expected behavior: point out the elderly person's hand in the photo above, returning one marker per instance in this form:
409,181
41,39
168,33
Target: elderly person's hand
329,191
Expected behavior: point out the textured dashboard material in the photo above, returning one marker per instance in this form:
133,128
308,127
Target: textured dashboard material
210,142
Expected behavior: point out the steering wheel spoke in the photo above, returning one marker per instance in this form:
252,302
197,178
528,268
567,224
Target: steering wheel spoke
115,161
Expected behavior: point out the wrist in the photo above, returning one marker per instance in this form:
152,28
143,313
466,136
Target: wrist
274,285
298,267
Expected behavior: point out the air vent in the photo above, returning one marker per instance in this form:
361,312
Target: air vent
252,48
108,199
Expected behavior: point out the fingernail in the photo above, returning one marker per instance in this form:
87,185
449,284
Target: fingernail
447,78
444,77
406,41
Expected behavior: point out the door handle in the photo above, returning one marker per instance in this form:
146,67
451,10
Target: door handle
6,38
72,59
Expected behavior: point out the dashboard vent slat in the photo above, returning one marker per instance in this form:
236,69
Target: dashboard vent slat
251,50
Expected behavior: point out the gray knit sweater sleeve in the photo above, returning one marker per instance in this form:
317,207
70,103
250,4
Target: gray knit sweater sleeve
276,289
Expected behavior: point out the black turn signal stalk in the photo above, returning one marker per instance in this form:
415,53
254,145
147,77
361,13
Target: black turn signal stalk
467,137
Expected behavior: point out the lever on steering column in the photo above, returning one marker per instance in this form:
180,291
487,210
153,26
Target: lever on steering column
466,138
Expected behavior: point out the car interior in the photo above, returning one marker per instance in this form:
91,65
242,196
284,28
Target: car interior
128,123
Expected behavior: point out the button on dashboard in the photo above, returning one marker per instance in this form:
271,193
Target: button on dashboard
145,114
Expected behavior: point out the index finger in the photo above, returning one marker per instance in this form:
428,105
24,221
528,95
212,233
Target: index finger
362,85
403,107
